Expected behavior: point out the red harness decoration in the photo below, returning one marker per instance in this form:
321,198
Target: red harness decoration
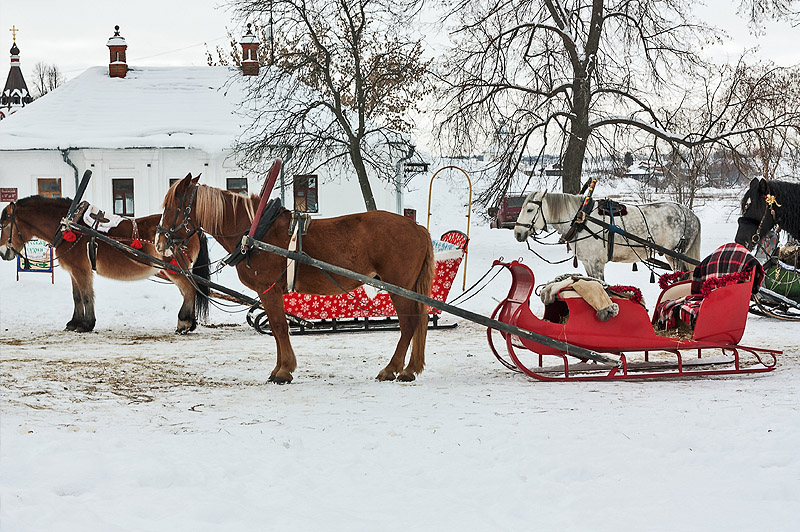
135,242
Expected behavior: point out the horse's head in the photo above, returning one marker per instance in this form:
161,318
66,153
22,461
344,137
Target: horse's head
10,238
531,218
175,226
757,214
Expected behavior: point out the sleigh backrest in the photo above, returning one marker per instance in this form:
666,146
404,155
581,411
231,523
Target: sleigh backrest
522,283
675,291
457,238
723,313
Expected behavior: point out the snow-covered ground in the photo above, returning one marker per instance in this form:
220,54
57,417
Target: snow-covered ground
132,428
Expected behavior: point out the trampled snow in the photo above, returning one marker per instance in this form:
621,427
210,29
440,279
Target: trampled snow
132,428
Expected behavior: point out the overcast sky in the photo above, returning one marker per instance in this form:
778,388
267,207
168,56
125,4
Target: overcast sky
73,34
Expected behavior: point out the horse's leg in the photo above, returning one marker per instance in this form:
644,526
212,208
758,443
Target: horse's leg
272,300
187,320
594,268
84,300
408,318
77,301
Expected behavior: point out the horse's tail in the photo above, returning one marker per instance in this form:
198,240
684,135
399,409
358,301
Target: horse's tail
200,268
694,249
422,286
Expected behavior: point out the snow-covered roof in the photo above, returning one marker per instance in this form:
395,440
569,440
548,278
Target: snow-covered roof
166,107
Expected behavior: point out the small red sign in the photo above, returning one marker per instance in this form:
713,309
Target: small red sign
8,194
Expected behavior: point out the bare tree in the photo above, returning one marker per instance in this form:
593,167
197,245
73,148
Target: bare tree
758,12
345,74
741,121
231,56
772,92
46,78
570,76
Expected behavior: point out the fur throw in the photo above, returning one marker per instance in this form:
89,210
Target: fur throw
590,289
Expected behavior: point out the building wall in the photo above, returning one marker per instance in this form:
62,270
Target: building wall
152,169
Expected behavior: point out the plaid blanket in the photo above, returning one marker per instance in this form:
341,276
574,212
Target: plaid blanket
725,265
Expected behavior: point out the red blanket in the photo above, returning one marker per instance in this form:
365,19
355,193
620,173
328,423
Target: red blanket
730,263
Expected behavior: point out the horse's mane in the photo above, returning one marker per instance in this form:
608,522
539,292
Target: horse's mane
210,206
562,207
55,202
788,195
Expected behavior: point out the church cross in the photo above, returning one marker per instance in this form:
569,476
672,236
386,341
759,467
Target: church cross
14,31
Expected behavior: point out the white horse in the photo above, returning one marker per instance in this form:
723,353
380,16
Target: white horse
667,224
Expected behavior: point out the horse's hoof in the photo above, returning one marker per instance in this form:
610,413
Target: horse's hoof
281,378
185,326
406,377
70,327
386,375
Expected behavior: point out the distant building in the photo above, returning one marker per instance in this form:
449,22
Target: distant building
138,129
15,94
553,170
644,171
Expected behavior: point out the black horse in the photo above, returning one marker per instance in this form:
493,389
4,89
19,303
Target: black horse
767,204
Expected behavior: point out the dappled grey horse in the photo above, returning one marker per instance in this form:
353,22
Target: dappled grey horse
668,224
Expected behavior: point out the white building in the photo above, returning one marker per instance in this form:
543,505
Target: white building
140,128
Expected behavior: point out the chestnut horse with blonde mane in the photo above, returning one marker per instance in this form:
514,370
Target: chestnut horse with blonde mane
40,217
378,244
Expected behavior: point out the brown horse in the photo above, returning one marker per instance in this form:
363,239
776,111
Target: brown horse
376,243
40,217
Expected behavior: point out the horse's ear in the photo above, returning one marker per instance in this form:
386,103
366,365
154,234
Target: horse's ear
185,182
763,188
196,179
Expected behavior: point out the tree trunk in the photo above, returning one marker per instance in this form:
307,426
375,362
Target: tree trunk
572,165
363,180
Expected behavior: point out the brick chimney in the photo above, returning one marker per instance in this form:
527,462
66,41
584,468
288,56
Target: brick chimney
249,44
117,67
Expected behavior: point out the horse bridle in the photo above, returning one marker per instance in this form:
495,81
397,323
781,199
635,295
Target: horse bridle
12,217
771,201
529,226
185,207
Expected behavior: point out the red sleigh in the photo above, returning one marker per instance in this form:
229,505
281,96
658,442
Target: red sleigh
719,326
359,310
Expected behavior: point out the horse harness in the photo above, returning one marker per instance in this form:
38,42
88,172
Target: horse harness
612,209
185,207
12,220
271,213
83,212
771,201
297,228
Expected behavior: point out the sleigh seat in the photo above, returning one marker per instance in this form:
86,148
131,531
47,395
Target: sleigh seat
714,302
